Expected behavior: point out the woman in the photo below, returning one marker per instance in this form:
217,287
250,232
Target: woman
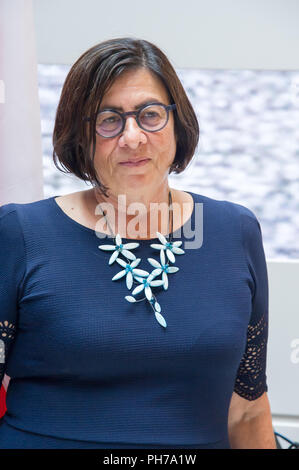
118,335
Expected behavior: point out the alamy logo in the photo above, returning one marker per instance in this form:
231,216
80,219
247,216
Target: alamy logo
295,352
2,352
138,226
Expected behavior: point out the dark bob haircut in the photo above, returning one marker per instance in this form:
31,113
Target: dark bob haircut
84,88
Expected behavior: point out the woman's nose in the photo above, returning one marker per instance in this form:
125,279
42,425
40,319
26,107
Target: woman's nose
132,134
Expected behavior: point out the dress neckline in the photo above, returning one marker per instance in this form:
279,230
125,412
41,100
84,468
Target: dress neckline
102,235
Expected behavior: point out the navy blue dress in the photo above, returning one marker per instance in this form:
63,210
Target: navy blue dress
91,370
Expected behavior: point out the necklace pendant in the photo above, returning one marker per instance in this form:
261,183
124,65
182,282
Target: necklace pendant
157,310
147,281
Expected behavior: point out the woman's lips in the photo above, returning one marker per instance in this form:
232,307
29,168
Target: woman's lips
139,163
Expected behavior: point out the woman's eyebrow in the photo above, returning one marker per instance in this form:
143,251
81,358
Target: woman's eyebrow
143,103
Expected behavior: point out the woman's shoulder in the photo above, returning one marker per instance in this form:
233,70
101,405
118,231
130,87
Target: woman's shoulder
14,206
223,205
20,213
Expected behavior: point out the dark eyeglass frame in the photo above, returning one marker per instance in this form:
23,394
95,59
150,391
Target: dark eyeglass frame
136,114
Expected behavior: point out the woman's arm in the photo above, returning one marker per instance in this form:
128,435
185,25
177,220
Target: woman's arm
250,423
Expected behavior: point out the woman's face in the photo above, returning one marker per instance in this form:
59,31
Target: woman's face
129,92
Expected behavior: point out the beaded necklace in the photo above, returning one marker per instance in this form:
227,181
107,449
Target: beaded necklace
145,281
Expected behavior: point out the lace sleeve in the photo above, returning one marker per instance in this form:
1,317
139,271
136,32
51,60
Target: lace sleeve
251,380
7,334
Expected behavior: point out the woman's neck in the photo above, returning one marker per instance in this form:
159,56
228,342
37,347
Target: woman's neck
135,215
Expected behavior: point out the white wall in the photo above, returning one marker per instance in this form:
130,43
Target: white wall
216,34
21,177
283,346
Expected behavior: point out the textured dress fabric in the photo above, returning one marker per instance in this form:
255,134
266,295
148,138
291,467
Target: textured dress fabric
89,369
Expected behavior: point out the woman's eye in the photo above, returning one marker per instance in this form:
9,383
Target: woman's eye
151,114
110,120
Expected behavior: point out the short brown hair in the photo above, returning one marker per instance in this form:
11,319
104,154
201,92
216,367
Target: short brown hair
84,88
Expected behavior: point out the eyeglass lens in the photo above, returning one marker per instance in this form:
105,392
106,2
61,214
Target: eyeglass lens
151,118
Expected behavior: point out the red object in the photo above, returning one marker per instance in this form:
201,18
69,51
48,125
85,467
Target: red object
2,401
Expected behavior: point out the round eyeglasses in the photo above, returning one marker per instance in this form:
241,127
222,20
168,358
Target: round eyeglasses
151,118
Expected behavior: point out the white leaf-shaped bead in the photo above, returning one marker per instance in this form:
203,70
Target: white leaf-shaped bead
177,251
113,257
161,238
162,257
160,319
122,262
107,247
154,262
158,247
178,243
129,298
130,246
119,275
129,280
157,307
160,282
170,256
156,272
141,272
172,269
118,239
135,263
165,280
150,277
148,293
138,289
128,254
